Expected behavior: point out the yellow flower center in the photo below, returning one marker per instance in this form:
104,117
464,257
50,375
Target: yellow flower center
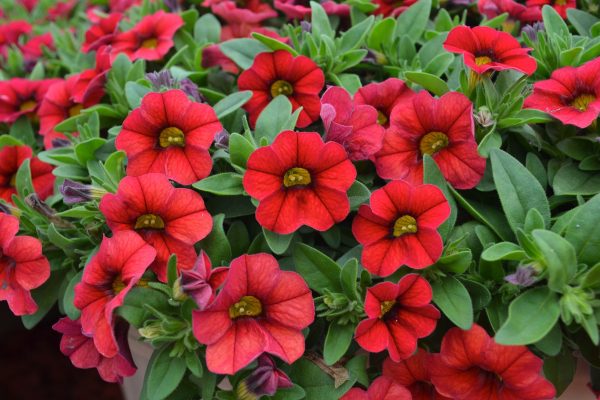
296,177
150,43
433,142
509,25
582,102
13,181
75,110
248,306
171,136
149,221
560,2
382,119
118,285
404,224
281,87
386,306
482,60
27,106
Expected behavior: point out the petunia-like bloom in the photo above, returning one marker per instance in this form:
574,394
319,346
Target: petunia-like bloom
472,366
89,88
279,73
11,158
34,48
298,9
392,7
151,39
101,33
259,309
441,128
382,388
399,227
561,6
263,381
201,282
20,96
10,32
384,96
571,95
248,12
486,49
169,134
23,267
397,316
353,126
517,13
299,180
170,220
111,273
414,374
83,354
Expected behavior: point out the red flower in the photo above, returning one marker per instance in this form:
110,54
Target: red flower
353,126
11,158
29,4
298,9
61,9
400,227
392,7
10,33
22,266
442,128
299,180
414,374
272,74
472,366
561,6
151,39
122,5
486,49
247,12
384,96
571,95
107,278
212,56
516,12
89,88
33,49
83,354
201,282
101,33
169,134
382,388
398,315
20,96
260,309
171,220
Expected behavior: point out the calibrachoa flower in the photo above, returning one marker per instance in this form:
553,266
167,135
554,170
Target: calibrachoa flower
384,96
392,7
20,96
353,126
259,309
89,88
101,33
382,388
399,227
151,39
298,9
107,278
561,6
279,73
299,180
441,128
571,95
11,158
10,33
414,373
517,13
171,220
486,49
34,48
169,134
83,354
23,267
201,282
398,315
247,12
472,366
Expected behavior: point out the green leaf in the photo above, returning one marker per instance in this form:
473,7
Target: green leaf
518,190
480,295
320,21
23,180
583,231
530,317
69,297
429,82
560,370
207,29
570,180
559,258
278,243
381,34
591,279
353,38
216,244
193,363
551,344
337,342
348,278
86,151
238,237
317,384
358,194
413,21
172,273
164,374
319,271
239,149
243,51
22,131
274,119
223,184
456,263
503,251
134,93
453,299
274,44
45,297
293,393
232,103
581,21
433,175
553,23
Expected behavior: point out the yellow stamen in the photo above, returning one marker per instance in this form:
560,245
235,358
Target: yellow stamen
171,136
75,110
386,306
248,306
582,102
118,285
382,119
482,60
281,87
149,221
13,181
403,225
296,177
150,43
560,2
28,106
433,142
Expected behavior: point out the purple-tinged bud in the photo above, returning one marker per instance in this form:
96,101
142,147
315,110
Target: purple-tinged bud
191,89
201,281
306,26
524,276
172,5
75,192
162,80
44,209
222,139
10,210
263,381
532,30
56,143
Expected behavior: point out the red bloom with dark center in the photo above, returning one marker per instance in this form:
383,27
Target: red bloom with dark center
83,354
472,366
486,49
260,309
299,180
201,282
107,278
11,158
516,12
10,33
151,39
20,96
23,267
392,7
561,6
89,88
251,12
171,220
300,9
353,126
382,388
398,315
399,227
414,374
34,48
384,96
101,33
441,128
571,95
170,134
278,72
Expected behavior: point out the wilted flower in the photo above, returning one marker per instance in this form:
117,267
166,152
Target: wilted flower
484,117
524,276
263,381
532,30
75,192
201,282
222,139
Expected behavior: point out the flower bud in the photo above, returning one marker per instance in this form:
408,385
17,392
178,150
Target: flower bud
263,381
75,192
